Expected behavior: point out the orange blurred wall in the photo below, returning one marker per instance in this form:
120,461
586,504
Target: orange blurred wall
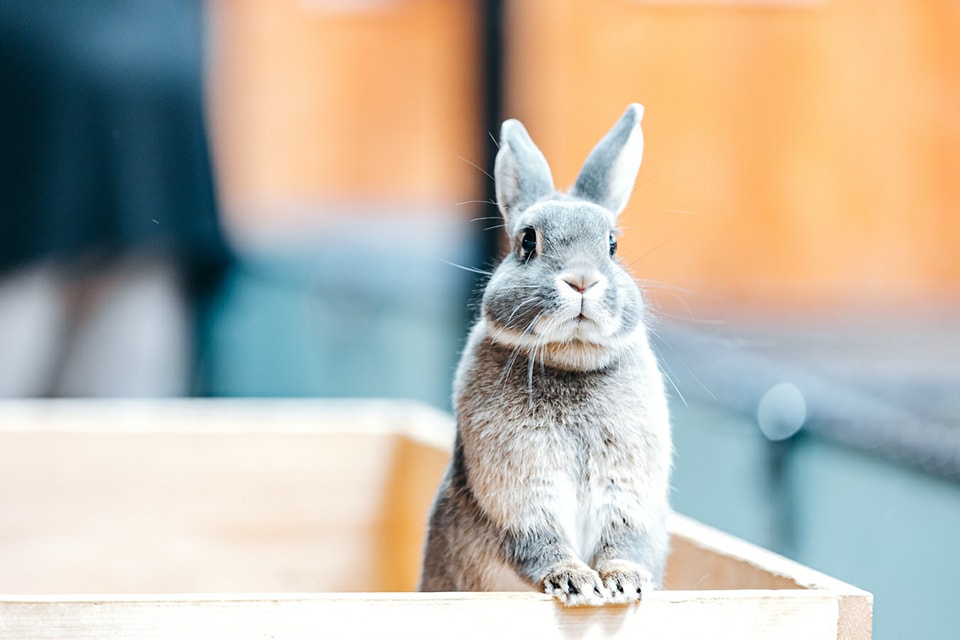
328,102
797,153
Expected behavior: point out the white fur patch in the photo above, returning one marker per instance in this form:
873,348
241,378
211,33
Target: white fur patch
592,514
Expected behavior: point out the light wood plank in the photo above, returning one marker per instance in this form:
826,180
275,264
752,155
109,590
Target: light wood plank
201,497
734,615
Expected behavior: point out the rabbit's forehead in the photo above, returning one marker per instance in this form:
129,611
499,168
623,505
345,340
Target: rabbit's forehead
563,218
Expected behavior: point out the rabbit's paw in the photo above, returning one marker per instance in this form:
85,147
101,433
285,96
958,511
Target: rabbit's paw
575,585
625,581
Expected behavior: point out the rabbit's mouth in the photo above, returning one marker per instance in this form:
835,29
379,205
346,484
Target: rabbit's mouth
576,326
586,329
582,320
571,342
589,317
553,329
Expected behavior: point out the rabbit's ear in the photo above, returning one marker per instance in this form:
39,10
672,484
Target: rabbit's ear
608,175
521,173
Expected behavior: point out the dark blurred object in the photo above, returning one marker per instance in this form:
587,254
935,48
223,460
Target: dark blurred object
104,154
102,130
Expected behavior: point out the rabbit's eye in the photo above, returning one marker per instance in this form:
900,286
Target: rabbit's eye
613,244
528,243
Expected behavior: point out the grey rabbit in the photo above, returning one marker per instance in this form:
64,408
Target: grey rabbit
560,472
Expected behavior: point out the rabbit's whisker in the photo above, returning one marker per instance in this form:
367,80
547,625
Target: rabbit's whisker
646,253
666,344
470,269
475,166
528,330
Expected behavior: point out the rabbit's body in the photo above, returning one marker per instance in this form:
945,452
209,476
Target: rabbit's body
560,473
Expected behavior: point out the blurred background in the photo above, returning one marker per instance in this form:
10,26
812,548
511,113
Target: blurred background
247,198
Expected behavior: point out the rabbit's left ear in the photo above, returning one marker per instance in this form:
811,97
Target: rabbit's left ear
521,173
608,175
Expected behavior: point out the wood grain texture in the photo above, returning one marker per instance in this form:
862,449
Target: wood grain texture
239,509
734,615
208,497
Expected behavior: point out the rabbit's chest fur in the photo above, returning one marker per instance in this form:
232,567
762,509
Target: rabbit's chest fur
575,451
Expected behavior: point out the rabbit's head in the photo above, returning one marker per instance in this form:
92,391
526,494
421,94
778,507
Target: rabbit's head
561,294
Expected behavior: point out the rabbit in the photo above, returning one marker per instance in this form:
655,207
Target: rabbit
559,477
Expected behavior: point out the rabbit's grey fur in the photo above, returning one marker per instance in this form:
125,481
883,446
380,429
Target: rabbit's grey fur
560,471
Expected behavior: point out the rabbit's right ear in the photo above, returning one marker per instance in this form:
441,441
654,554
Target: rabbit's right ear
521,173
610,170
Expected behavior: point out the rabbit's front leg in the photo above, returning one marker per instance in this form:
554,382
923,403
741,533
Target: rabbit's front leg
544,558
626,563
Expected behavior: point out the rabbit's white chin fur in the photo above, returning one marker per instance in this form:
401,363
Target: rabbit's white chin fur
577,346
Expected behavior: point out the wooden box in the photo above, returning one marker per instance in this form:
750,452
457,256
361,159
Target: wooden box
297,519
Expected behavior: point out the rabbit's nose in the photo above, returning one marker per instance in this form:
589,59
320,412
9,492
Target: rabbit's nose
582,282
